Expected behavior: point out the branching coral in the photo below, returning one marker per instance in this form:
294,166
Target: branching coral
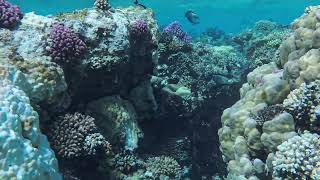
64,45
297,158
127,162
102,5
95,142
174,30
140,31
75,135
10,15
163,167
303,104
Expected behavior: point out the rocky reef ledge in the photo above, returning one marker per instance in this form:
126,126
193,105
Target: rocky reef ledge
91,62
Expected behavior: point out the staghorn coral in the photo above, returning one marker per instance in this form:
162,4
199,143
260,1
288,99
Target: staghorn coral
102,5
64,45
163,167
297,158
10,15
303,104
75,136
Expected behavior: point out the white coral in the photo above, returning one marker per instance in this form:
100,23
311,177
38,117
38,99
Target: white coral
24,151
297,157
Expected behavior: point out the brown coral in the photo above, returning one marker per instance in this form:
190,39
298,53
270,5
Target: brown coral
76,135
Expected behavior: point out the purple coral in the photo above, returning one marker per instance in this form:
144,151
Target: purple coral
64,44
175,30
139,30
10,15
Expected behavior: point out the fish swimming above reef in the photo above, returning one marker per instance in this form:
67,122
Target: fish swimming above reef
192,17
136,2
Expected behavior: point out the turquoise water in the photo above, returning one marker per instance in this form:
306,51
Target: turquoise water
229,15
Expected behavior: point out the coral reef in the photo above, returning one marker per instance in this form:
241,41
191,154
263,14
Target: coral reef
76,135
102,5
163,168
303,103
294,75
266,114
117,119
24,152
174,30
102,77
139,31
297,158
10,15
260,44
64,45
239,136
128,163
204,69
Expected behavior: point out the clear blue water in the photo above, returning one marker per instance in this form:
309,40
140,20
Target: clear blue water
228,15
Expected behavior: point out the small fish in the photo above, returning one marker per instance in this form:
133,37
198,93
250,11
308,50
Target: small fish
192,17
138,4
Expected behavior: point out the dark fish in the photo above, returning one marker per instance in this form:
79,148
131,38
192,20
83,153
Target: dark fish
192,17
138,4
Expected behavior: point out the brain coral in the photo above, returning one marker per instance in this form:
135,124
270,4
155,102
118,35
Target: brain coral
10,15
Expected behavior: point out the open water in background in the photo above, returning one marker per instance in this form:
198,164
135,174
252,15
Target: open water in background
228,15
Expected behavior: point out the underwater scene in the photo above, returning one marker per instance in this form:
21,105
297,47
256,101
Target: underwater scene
159,90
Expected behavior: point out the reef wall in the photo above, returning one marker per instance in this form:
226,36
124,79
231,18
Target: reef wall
275,123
